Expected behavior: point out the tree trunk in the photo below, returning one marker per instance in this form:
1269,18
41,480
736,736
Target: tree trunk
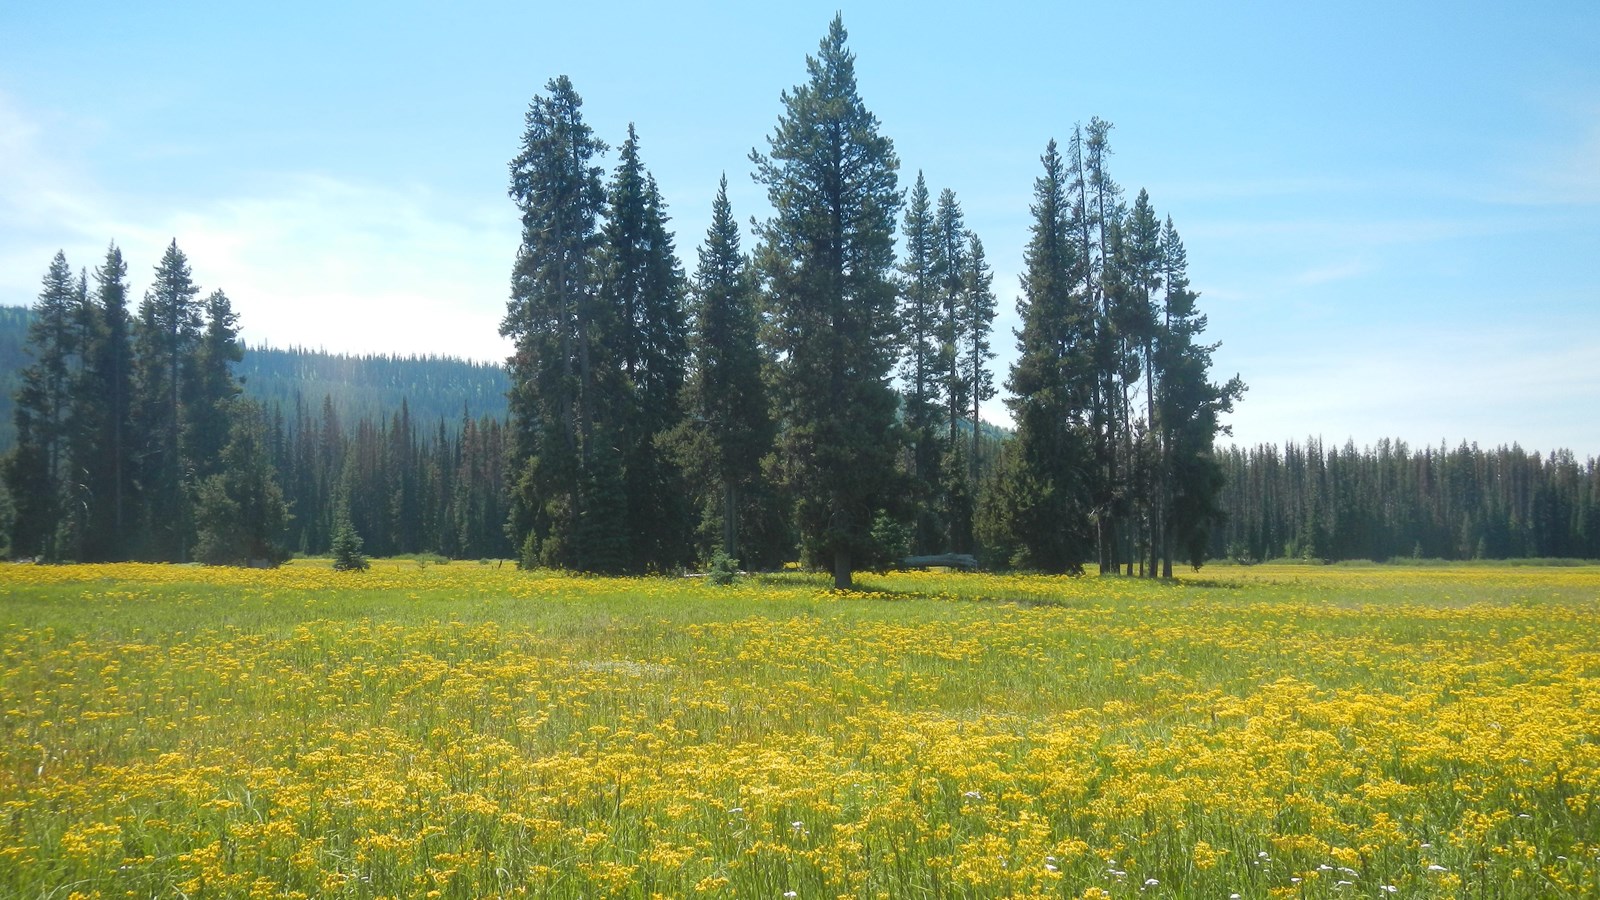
730,521
841,570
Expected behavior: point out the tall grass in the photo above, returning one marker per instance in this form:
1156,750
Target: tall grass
468,731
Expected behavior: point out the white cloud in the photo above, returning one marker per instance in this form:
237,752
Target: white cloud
1491,386
306,259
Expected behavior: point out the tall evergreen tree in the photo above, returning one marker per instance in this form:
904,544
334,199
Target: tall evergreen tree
1189,413
1139,269
165,339
240,514
921,363
35,469
108,365
826,256
1054,383
728,426
644,288
551,319
953,273
211,388
978,312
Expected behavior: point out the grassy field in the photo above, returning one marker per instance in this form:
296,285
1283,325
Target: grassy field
468,731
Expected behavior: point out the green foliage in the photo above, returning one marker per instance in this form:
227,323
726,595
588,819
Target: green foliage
826,258
564,390
727,428
722,570
240,514
890,542
347,555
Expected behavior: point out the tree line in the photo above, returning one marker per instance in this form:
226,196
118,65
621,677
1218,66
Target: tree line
1310,501
367,386
134,440
754,408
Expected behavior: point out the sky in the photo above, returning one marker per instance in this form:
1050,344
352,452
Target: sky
1392,211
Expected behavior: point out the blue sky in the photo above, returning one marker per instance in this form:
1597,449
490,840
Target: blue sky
1392,210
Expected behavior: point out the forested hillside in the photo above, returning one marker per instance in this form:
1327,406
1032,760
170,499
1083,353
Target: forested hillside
436,388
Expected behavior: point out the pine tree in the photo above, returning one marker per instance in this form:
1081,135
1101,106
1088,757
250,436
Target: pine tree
1054,384
1139,268
211,388
108,384
35,469
240,514
952,269
346,547
978,314
553,320
921,362
1189,412
644,288
728,428
826,256
165,338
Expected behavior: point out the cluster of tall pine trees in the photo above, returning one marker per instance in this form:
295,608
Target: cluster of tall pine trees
816,397
132,441
753,409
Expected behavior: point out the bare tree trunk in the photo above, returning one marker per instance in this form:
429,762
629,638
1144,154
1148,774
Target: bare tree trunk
841,570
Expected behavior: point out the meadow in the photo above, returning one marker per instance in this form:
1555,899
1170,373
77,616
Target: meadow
466,731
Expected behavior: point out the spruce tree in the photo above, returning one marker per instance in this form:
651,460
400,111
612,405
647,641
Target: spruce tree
826,258
727,428
1189,413
554,321
1054,385
952,266
978,312
36,469
240,514
108,364
346,547
165,339
642,284
211,388
921,365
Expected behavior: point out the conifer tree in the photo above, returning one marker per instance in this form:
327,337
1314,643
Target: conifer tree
35,469
165,338
1189,410
1054,384
826,258
978,312
554,321
728,428
211,388
346,548
240,514
644,288
952,269
921,362
108,385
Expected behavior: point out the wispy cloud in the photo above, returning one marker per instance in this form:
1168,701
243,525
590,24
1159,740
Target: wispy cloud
1464,384
306,259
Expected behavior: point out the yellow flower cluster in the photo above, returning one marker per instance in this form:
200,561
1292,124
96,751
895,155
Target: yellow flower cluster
465,731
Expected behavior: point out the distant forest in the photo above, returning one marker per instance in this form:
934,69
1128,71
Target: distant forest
436,388
1325,502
